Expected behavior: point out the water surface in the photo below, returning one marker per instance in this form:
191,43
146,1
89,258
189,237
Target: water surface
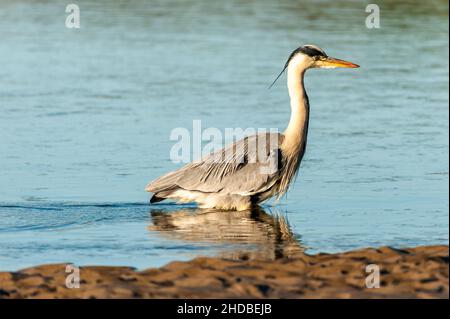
86,115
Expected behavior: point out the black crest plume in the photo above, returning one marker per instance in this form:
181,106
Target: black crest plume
309,50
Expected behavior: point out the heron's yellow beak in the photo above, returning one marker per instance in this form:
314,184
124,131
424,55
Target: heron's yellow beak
332,63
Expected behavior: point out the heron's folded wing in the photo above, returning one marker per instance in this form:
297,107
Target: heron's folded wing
246,167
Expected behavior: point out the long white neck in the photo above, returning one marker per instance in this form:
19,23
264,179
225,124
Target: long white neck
296,131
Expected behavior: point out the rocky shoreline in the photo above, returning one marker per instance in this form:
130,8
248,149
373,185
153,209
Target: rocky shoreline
420,272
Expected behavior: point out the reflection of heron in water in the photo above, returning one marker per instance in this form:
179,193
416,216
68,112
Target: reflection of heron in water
250,234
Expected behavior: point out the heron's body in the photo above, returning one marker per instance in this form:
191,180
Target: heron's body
239,175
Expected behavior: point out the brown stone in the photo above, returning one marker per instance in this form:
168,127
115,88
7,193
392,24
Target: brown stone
420,272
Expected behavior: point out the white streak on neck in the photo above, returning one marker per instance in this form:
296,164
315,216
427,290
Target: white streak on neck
295,133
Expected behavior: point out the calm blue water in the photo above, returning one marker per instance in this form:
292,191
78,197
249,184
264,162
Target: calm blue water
86,115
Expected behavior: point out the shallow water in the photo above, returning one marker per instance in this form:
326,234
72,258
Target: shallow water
86,117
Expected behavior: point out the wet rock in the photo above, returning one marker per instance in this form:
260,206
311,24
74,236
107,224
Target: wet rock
420,272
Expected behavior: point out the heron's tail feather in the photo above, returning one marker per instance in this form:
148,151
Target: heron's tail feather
156,199
163,183
163,187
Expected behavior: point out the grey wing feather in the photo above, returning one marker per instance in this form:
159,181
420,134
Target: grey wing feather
246,167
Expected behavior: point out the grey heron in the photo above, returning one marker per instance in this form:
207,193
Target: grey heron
245,176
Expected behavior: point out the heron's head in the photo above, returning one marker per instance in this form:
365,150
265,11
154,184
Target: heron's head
310,56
